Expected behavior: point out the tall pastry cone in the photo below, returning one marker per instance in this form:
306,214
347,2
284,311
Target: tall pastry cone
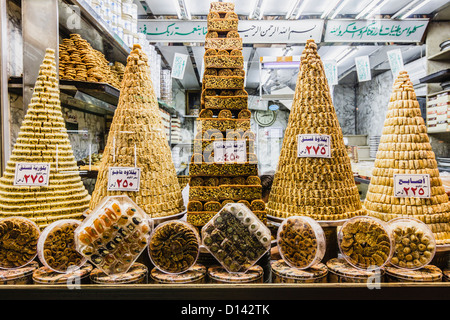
137,138
43,139
321,188
405,149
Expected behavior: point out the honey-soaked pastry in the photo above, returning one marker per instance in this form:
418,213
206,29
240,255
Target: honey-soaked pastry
301,242
312,112
43,138
195,206
144,137
174,246
19,237
405,149
57,249
224,115
365,242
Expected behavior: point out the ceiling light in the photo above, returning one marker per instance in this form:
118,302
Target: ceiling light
410,12
182,10
297,9
258,10
329,9
343,54
377,9
338,9
404,8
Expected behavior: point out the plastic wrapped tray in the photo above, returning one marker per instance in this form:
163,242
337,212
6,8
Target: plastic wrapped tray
365,242
236,237
114,234
301,242
56,246
19,237
174,246
414,243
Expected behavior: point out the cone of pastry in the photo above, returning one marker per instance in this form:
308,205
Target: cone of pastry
405,149
321,188
43,138
137,139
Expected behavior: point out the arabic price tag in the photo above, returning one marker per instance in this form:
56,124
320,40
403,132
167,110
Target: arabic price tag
124,179
179,65
363,68
313,146
31,174
395,61
412,185
230,151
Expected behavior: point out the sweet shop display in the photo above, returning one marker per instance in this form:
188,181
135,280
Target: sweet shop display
405,153
236,237
114,234
223,167
56,246
301,242
137,274
195,275
366,242
137,140
174,246
43,143
79,61
322,188
218,274
18,242
414,243
283,273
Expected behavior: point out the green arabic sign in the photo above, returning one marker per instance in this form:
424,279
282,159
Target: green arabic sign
375,30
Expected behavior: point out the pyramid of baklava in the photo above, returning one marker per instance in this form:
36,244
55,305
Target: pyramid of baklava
321,188
225,117
43,139
405,149
137,139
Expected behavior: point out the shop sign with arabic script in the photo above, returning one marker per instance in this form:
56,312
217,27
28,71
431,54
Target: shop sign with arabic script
257,31
375,30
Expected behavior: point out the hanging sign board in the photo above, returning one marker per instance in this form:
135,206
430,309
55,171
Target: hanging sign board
412,185
251,31
363,68
31,174
124,179
314,146
395,61
331,72
411,30
179,65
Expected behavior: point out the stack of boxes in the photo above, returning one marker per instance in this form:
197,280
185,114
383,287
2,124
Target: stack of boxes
438,112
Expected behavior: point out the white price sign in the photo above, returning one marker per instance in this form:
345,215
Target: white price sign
313,145
124,179
230,151
412,185
31,174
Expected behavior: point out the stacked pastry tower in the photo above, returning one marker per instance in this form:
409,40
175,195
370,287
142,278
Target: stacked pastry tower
321,188
405,149
224,116
79,61
43,139
137,139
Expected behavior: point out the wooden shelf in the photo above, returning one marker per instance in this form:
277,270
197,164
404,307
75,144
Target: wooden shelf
437,77
441,56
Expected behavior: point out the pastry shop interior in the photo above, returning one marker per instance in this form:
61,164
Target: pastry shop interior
255,145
